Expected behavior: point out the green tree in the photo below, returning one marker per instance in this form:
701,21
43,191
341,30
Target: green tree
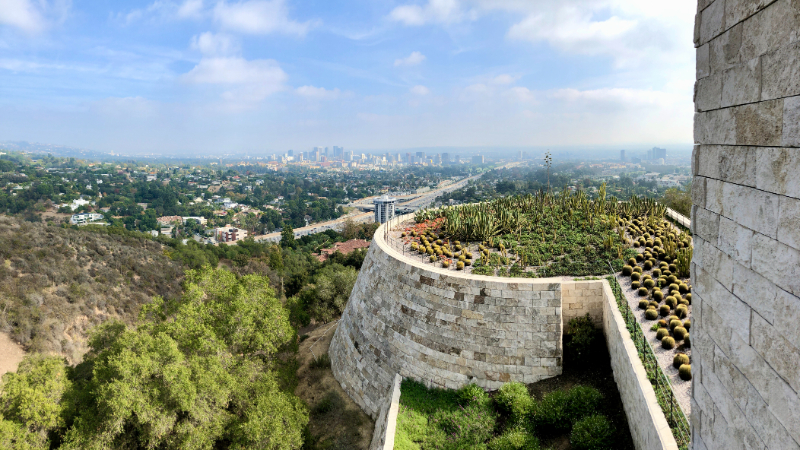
196,373
678,199
287,235
327,296
31,403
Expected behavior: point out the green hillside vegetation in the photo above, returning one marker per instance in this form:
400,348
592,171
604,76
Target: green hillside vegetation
212,368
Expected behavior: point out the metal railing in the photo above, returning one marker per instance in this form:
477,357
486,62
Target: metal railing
679,218
677,420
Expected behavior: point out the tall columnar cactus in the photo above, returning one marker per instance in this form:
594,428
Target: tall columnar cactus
684,261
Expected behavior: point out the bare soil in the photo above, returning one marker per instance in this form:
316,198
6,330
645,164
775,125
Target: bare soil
11,354
336,421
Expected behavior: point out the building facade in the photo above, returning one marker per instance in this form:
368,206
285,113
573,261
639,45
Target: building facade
384,208
746,225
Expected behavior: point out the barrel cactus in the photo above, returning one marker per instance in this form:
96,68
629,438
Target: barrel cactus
662,333
687,341
668,343
679,333
664,310
627,270
642,291
687,324
643,304
680,359
685,372
634,284
651,314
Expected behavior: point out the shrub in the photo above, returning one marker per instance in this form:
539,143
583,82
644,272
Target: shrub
651,314
549,413
582,401
323,362
635,276
513,398
679,333
674,323
642,291
664,310
634,285
662,333
592,433
649,283
472,393
582,333
658,295
647,265
685,372
513,439
668,343
627,270
687,324
643,304
680,359
687,342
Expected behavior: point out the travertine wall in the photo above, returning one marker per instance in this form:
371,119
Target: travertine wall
746,221
579,298
646,421
442,328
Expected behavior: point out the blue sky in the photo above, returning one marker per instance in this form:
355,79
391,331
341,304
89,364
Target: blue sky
269,75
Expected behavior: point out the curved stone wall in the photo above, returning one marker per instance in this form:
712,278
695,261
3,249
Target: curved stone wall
442,328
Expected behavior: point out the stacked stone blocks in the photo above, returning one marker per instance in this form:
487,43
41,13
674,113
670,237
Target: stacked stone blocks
442,328
746,225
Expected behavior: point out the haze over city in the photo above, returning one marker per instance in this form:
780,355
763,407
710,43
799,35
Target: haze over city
267,76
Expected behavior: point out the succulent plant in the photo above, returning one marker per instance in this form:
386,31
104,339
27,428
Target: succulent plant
432,259
682,311
687,324
647,265
632,262
680,359
460,265
640,257
445,264
643,304
688,298
661,333
638,270
674,323
656,273
649,283
627,270
670,300
685,372
687,342
658,295
679,333
651,314
672,279
664,310
642,291
668,343
636,276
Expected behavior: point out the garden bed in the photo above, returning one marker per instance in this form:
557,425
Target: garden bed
546,412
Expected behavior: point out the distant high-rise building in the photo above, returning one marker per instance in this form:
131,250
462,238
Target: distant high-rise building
290,153
659,153
437,159
421,155
520,155
347,155
622,155
337,152
478,159
445,158
457,159
384,208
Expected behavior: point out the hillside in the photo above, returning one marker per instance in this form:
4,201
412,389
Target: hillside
56,283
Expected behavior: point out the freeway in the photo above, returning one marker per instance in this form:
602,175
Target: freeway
414,201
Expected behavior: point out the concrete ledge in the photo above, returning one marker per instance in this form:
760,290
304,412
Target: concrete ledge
386,425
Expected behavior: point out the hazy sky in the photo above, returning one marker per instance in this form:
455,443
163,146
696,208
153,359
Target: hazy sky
270,75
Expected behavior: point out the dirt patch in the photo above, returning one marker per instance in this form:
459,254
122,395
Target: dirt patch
11,354
336,422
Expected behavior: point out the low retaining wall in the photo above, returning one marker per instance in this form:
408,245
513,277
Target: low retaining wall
386,425
579,298
649,427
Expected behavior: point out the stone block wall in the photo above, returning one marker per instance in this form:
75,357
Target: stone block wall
443,328
746,225
579,298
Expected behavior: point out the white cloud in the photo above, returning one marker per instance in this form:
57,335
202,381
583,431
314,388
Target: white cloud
32,16
318,93
419,90
413,59
215,44
504,79
191,9
250,81
258,17
435,11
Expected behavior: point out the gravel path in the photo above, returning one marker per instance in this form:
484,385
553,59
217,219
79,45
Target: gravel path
11,354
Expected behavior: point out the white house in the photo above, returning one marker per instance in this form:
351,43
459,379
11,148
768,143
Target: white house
85,218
